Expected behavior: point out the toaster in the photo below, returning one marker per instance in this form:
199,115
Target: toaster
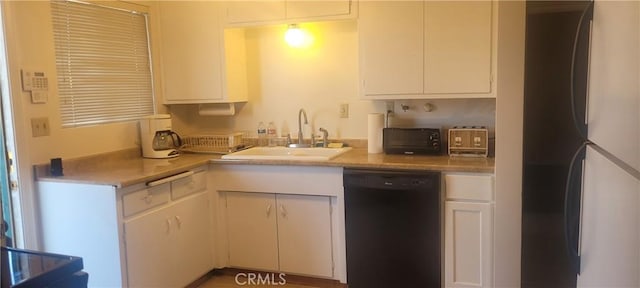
469,141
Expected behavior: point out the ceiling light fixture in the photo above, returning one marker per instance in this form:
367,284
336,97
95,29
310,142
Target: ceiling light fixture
294,36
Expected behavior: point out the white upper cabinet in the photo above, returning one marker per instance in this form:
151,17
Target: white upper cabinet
254,11
391,47
200,62
313,9
429,49
247,13
457,41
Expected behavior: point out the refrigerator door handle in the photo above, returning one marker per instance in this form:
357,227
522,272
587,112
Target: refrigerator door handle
572,203
580,125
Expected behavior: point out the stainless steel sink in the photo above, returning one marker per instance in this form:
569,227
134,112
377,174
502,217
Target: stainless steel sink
287,153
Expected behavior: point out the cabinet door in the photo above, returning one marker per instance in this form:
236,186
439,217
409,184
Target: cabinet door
468,242
193,252
191,51
311,9
255,11
391,47
304,235
252,230
457,47
149,241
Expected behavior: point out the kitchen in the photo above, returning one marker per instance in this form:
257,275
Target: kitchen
285,81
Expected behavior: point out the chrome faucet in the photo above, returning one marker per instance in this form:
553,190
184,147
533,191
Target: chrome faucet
325,135
300,135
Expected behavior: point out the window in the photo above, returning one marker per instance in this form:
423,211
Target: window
102,62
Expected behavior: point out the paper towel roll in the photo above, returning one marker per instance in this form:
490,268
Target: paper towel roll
375,123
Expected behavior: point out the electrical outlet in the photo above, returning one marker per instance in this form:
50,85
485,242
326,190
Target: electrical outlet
40,127
344,110
390,107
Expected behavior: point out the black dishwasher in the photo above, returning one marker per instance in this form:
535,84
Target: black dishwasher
393,228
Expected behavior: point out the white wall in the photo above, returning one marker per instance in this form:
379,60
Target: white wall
509,119
30,45
320,78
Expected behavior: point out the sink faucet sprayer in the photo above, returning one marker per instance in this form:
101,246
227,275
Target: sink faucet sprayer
300,135
325,135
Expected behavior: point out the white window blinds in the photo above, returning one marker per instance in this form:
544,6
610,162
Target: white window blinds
102,62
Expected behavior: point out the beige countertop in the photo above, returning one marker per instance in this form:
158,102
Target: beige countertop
359,158
127,167
121,169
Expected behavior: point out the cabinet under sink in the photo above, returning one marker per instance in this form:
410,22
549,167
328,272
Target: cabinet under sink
280,218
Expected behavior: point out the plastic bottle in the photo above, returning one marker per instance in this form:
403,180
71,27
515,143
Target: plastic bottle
262,133
272,133
271,130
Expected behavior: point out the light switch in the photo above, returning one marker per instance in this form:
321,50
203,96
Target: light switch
40,127
344,110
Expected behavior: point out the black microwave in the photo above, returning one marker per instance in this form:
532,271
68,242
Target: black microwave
423,141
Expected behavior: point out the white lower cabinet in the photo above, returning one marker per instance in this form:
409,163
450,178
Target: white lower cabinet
468,230
252,231
280,232
168,247
153,234
304,234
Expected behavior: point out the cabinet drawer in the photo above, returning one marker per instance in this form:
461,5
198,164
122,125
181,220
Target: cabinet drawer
469,187
144,199
188,185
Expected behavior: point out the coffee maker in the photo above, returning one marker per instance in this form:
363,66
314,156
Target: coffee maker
158,141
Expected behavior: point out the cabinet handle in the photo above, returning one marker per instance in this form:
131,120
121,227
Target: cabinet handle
179,221
147,199
268,210
283,211
168,225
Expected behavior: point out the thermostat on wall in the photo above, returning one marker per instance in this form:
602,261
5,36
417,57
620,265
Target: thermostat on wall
36,83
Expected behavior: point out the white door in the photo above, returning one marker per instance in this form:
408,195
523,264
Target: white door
240,11
391,47
149,240
304,235
310,9
252,231
468,244
191,45
610,233
457,47
614,80
193,251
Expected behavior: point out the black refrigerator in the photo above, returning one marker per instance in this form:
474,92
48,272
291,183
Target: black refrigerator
556,64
